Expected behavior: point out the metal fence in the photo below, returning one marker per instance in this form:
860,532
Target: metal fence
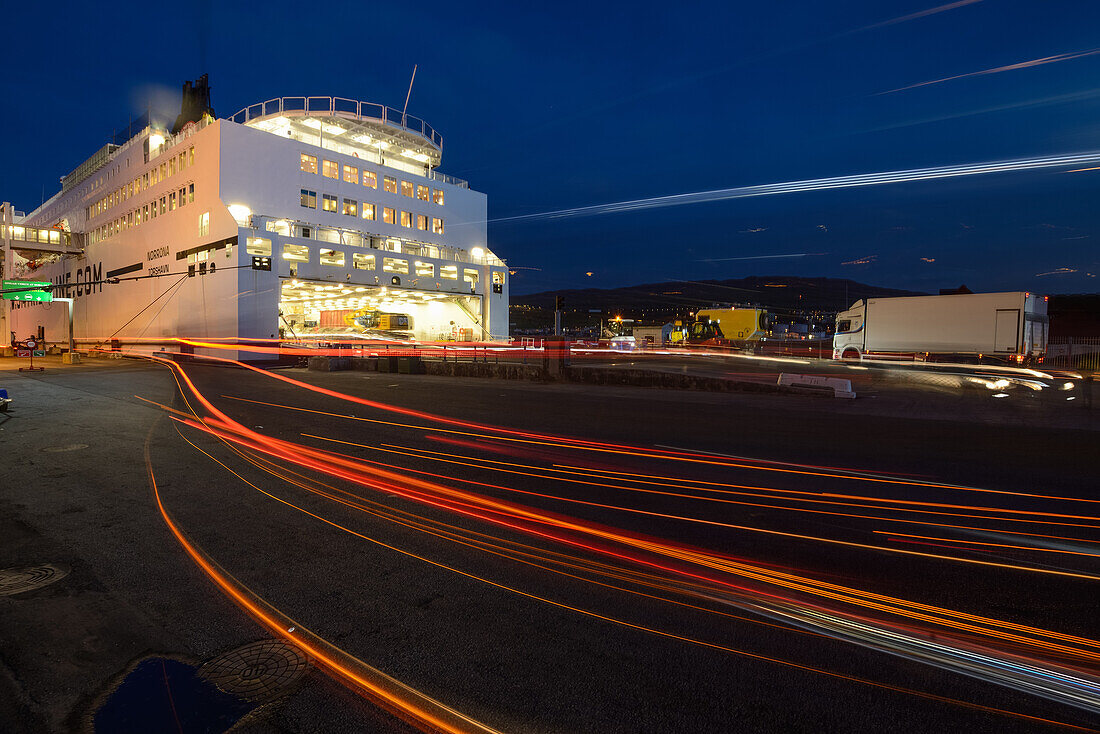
1076,352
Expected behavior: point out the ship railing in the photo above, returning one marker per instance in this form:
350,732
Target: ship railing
340,107
368,240
444,178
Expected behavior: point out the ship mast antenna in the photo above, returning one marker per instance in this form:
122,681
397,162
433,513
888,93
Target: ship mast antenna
406,107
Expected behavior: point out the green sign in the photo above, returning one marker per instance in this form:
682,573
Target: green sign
17,290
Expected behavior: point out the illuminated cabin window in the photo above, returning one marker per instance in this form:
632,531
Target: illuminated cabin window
172,167
362,261
172,201
309,199
437,225
498,277
278,226
204,222
370,179
421,222
351,207
407,188
351,174
449,271
368,211
309,163
258,246
425,269
296,253
190,193
163,204
330,169
395,265
388,215
406,219
437,196
191,156
470,276
389,184
422,193
328,202
334,258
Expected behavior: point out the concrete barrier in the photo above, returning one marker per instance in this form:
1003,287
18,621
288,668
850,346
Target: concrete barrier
329,364
501,371
666,380
840,388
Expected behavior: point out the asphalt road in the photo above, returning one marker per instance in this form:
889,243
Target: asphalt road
529,627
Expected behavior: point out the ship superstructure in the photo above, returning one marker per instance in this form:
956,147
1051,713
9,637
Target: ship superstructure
159,236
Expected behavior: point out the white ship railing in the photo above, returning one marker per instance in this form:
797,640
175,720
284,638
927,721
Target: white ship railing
342,107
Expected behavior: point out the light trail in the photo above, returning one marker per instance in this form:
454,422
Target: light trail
734,526
1043,680
806,496
995,545
817,184
654,631
497,433
409,704
496,508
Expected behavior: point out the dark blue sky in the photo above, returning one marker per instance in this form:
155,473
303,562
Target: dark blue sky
550,106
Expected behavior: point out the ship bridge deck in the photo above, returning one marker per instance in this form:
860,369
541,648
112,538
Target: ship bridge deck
374,127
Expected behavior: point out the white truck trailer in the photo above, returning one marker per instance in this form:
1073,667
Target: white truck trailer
997,327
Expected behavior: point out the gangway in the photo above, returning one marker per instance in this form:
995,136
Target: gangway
31,243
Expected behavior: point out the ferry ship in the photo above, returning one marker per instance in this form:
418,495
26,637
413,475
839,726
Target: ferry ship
295,218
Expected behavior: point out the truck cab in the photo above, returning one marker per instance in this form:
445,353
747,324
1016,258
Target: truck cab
848,341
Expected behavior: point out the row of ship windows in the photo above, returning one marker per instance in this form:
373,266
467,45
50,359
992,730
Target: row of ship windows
332,169
134,217
351,207
364,261
168,168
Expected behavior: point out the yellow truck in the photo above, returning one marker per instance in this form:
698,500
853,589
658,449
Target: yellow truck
718,326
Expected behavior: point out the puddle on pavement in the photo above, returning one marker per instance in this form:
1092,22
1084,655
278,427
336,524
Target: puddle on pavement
165,695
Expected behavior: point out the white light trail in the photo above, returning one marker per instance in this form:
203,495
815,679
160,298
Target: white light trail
817,184
758,257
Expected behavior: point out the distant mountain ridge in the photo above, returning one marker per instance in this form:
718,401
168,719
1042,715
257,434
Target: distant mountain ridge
776,292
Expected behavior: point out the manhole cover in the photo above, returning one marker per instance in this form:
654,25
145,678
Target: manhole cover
258,671
66,447
18,580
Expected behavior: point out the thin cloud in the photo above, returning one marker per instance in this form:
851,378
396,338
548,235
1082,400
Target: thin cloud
759,257
920,14
1000,69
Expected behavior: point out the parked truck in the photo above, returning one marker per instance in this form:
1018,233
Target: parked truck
996,327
